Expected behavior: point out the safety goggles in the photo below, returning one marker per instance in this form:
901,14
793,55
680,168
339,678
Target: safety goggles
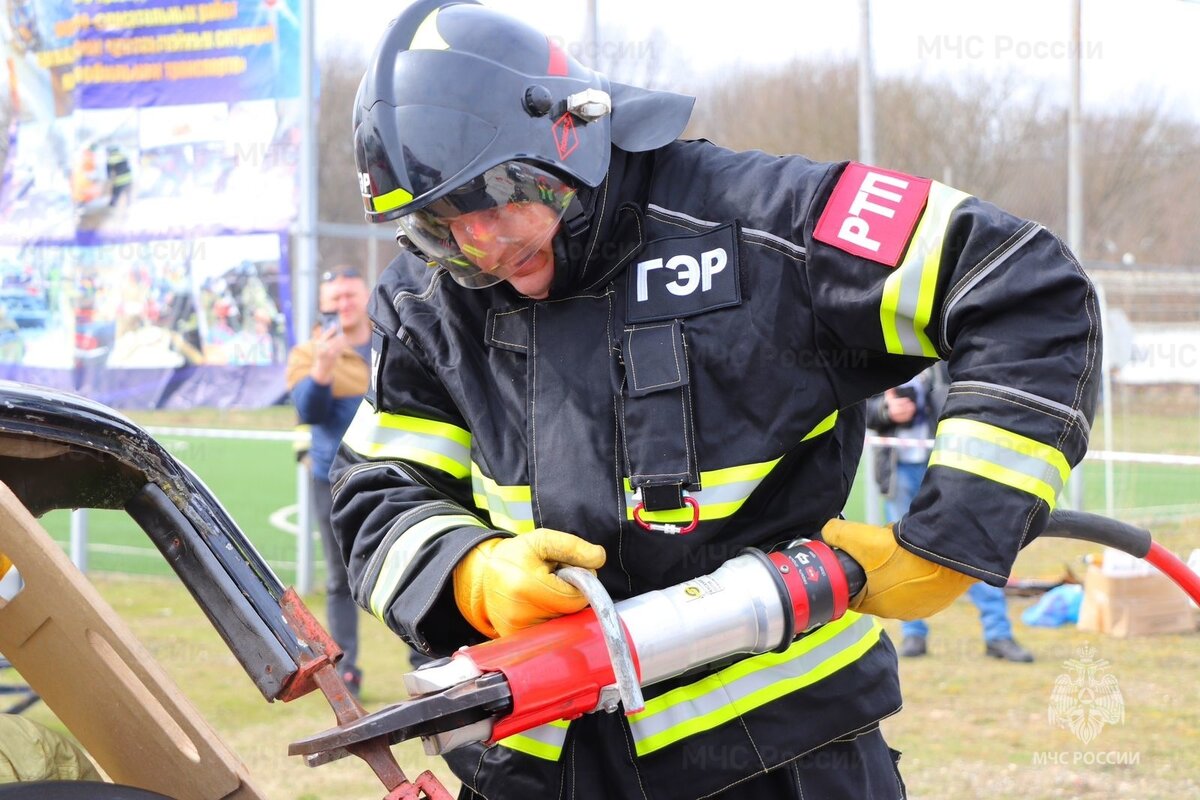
486,230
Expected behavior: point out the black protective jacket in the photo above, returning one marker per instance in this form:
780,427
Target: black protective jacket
716,338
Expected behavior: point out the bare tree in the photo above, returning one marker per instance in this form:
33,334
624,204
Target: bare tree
999,139
339,197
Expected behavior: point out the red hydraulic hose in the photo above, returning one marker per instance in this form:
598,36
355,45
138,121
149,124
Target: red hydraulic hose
1175,569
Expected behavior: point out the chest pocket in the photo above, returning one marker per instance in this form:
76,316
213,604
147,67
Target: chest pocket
671,280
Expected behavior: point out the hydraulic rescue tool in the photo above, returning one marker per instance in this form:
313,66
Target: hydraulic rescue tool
754,603
589,661
62,451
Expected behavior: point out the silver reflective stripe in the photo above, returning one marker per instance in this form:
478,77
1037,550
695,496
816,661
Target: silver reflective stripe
1027,232
906,307
435,444
680,215
798,249
751,683
545,741
402,552
1002,456
1064,410
510,507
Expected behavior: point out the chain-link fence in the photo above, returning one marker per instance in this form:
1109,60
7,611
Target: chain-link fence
1152,393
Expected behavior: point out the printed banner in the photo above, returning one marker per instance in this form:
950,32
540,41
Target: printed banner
1159,355
207,310
150,177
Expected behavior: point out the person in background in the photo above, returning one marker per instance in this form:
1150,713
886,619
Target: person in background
910,411
327,377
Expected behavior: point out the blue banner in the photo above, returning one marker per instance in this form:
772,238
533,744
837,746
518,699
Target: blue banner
151,177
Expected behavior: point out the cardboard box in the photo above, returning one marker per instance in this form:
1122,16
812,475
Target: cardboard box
1134,606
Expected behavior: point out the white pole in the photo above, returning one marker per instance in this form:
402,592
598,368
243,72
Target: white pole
79,538
306,245
866,87
1075,185
873,498
1106,400
1075,138
306,262
591,36
304,549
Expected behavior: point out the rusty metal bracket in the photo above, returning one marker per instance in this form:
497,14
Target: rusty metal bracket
319,672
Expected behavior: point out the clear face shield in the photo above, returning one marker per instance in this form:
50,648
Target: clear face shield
494,226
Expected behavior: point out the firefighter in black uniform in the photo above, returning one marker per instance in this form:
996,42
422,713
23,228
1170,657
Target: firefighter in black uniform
617,350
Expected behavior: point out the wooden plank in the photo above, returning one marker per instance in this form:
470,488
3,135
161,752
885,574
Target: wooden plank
90,669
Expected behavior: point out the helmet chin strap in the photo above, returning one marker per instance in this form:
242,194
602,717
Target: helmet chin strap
570,242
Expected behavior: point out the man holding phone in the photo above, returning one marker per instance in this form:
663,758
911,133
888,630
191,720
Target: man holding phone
327,376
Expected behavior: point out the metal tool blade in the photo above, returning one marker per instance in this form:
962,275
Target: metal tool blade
468,702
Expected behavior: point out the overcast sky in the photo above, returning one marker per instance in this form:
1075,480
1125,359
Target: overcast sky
1132,50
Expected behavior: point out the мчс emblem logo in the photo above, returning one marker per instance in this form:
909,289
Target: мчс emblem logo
1084,699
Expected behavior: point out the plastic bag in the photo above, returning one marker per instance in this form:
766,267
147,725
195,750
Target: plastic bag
1057,607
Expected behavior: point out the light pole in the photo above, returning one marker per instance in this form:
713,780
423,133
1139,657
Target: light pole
866,86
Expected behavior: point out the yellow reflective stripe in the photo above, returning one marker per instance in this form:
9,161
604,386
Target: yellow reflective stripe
391,200
707,511
435,444
723,491
752,683
401,554
907,304
428,427
824,426
1002,456
510,507
545,741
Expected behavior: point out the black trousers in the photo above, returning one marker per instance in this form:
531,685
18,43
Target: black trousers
858,768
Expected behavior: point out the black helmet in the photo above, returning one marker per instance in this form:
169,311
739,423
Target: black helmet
455,89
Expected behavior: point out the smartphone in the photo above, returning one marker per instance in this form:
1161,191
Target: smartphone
330,319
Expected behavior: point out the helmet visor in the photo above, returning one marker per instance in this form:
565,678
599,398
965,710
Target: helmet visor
490,228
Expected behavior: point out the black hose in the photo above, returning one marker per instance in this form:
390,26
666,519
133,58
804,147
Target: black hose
1099,529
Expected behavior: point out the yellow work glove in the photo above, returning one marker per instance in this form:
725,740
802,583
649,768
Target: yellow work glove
504,585
900,585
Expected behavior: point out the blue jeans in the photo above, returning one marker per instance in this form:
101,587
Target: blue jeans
990,600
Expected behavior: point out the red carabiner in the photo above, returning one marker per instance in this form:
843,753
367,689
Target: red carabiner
668,527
